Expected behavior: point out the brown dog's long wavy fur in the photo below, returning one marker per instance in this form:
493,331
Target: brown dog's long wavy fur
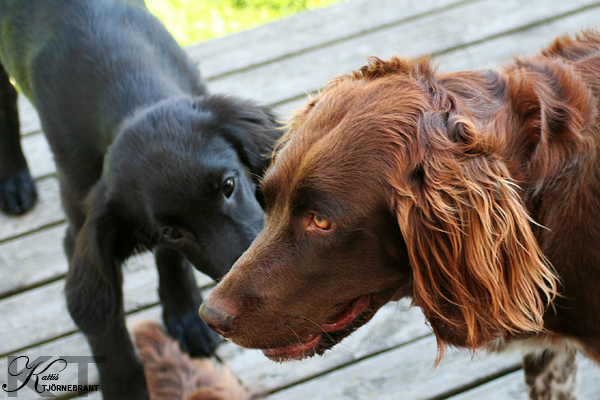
478,270
173,375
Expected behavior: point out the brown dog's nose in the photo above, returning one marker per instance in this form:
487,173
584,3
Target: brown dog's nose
218,318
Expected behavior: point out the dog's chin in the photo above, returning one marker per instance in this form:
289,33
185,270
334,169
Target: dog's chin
349,318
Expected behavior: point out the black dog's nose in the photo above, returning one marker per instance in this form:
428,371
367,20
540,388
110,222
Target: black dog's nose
218,318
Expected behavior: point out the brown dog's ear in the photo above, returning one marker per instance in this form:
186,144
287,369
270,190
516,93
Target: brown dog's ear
94,281
478,270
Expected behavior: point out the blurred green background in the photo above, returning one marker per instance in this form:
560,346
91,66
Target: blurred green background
194,21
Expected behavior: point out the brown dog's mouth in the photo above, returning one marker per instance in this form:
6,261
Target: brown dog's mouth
340,323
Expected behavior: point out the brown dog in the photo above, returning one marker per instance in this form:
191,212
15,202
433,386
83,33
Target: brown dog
476,193
172,374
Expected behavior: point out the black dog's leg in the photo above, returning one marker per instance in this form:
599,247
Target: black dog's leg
94,294
181,299
122,375
17,189
551,375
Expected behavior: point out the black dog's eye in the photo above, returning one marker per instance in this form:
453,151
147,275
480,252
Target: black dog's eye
171,234
228,186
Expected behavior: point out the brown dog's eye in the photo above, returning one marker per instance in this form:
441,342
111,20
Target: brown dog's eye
321,223
228,186
171,234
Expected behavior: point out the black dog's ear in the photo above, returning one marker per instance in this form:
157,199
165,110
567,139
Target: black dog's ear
250,128
94,281
262,129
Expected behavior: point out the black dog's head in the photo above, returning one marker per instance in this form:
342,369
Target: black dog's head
182,174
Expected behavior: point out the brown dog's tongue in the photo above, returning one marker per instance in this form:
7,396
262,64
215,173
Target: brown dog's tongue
347,315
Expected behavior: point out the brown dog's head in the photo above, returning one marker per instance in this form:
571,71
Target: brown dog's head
384,187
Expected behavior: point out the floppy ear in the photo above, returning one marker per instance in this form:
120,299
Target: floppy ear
478,270
94,281
253,131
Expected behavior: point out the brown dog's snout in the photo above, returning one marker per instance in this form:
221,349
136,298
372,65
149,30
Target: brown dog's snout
218,316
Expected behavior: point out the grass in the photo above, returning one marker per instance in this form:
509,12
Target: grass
194,21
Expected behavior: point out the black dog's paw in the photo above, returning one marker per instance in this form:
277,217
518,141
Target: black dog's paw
193,335
17,193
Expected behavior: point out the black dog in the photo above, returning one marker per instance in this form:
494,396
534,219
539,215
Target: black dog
146,160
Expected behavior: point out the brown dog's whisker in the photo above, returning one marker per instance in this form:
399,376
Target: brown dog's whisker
317,326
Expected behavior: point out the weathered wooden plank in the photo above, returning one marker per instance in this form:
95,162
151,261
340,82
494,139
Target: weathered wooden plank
40,314
304,31
29,260
393,325
46,212
512,386
30,122
287,78
406,372
499,50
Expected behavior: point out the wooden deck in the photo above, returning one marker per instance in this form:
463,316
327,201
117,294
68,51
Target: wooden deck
277,64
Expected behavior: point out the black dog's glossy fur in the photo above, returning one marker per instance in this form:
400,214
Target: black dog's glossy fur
146,159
